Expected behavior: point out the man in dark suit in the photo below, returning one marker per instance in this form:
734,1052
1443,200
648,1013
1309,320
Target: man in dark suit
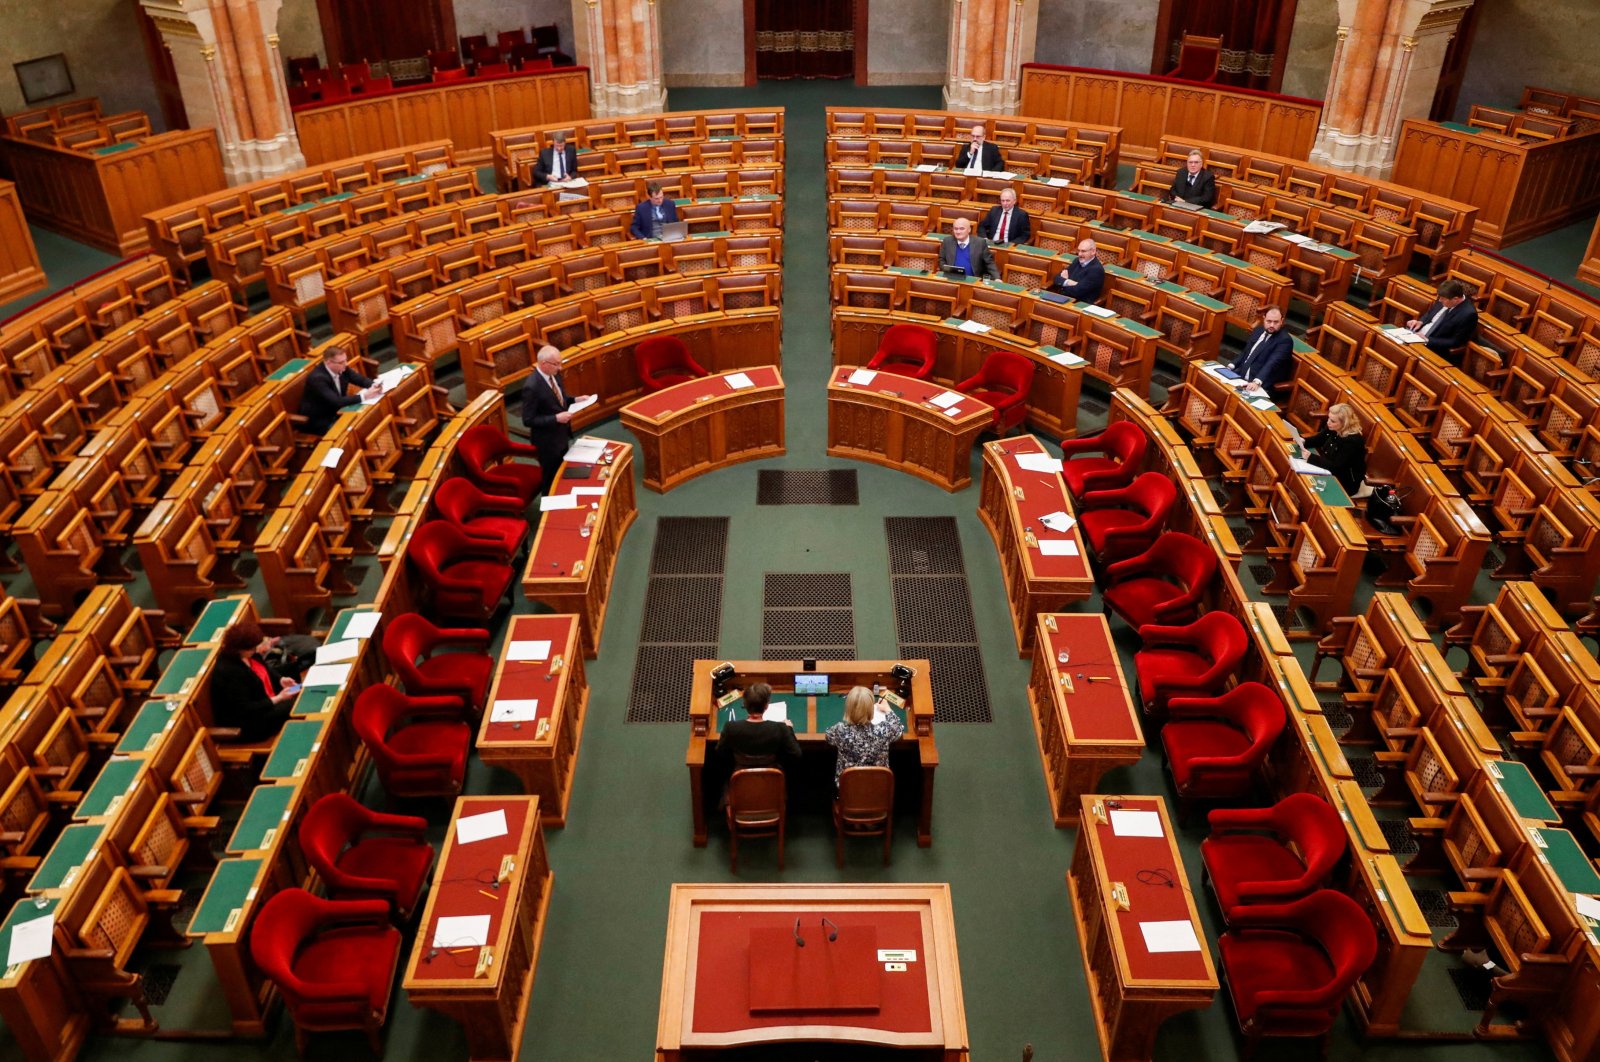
326,388
1268,357
1450,323
970,252
978,154
1006,223
558,162
1084,276
1194,183
546,413
654,212
757,742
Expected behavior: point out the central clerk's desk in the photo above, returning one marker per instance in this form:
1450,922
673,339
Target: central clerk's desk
705,424
913,758
734,978
892,420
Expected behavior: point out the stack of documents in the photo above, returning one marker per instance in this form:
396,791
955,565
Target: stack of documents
586,451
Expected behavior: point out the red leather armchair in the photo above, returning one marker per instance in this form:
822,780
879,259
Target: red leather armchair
333,961
1105,461
1272,855
1125,521
493,517
466,578
1164,584
1215,745
488,454
409,642
1003,381
366,855
906,350
1195,660
1289,966
663,361
418,744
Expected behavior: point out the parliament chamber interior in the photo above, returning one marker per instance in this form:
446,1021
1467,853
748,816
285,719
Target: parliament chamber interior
508,511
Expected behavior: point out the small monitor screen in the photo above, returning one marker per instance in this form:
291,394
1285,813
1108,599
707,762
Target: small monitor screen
810,685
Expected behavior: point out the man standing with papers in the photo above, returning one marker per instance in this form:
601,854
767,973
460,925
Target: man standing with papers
547,413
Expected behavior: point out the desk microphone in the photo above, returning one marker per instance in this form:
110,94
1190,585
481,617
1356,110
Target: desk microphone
833,933
431,953
799,941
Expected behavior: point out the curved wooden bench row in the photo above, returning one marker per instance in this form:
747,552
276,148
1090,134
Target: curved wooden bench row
655,157
20,270
52,116
939,157
1443,226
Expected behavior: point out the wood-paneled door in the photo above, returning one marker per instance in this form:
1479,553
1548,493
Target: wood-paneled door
379,30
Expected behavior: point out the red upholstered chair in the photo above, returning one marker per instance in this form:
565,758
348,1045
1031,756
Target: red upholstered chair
492,69
418,744
355,73
537,62
444,59
409,642
1111,459
1272,855
663,361
1198,58
1215,745
488,454
1003,381
1126,521
1196,660
1163,584
375,84
493,517
1289,966
470,45
509,39
466,578
333,961
450,73
906,350
366,855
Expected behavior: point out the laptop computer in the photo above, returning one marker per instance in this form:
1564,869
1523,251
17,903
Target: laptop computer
673,231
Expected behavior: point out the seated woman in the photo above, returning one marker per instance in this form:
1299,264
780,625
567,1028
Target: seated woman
860,741
246,694
1340,448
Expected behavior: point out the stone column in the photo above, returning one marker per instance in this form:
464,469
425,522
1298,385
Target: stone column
620,42
989,42
231,76
1386,67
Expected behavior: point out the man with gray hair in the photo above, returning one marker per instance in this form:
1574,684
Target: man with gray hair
547,414
1194,184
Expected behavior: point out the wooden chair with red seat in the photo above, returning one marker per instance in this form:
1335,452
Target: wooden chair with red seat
906,350
444,59
1123,522
492,517
490,459
864,807
1163,584
1003,380
1289,966
663,361
1215,746
507,40
465,578
757,799
362,854
1198,58
450,73
419,744
1274,854
409,644
333,962
1193,660
1111,459
470,45
491,69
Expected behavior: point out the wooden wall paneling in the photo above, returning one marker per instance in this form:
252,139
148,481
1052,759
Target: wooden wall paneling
1141,112
324,136
20,271
421,116
1589,268
471,113
373,122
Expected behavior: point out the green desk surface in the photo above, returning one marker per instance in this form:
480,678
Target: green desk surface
758,197
289,368
1192,248
1217,214
1052,352
1208,302
830,709
66,855
409,179
147,727
1140,196
1139,329
710,235
711,199
1028,248
646,143
1147,236
724,138
1560,849
1338,252
1330,490
1000,285
892,166
185,665
214,619
906,271
342,621
26,910
231,886
1459,128
1527,796
299,208
1227,259
266,811
1124,271
116,778
1302,347
295,743
112,149
315,701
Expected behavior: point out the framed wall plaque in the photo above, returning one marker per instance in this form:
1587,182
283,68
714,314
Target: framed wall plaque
44,78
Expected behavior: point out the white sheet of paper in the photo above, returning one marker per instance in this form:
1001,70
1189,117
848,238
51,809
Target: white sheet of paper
332,457
1066,357
1169,936
1039,462
529,650
1058,182
557,501
481,827
1262,225
777,712
1058,547
582,404
1004,175
946,399
738,380
326,675
363,625
863,376
1135,823
1295,237
395,376
1264,403
587,492
1099,311
1307,467
953,412
462,931
571,197
31,940
1588,906
509,711
976,327
586,451
334,652
1060,522
881,711
927,167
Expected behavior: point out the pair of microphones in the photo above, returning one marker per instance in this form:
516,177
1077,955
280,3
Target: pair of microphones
827,923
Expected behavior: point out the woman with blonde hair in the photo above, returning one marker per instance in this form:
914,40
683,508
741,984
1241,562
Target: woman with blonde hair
861,742
1340,448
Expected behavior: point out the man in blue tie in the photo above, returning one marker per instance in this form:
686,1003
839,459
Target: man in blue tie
654,212
970,253
1268,357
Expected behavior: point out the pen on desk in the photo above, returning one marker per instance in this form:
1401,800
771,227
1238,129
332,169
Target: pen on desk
491,895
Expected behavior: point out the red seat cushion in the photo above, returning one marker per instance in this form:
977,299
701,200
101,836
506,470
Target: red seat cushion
1077,468
998,399
1189,739
1096,522
1233,858
513,479
398,859
1260,960
507,530
1135,600
433,738
490,577
453,671
1167,665
661,378
354,954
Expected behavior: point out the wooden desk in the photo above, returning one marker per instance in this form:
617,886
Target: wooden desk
20,271
891,421
574,552
702,425
1011,502
542,751
491,1006
705,990
1131,990
913,758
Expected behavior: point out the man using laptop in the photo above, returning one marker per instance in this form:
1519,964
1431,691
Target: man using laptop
653,213
963,252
